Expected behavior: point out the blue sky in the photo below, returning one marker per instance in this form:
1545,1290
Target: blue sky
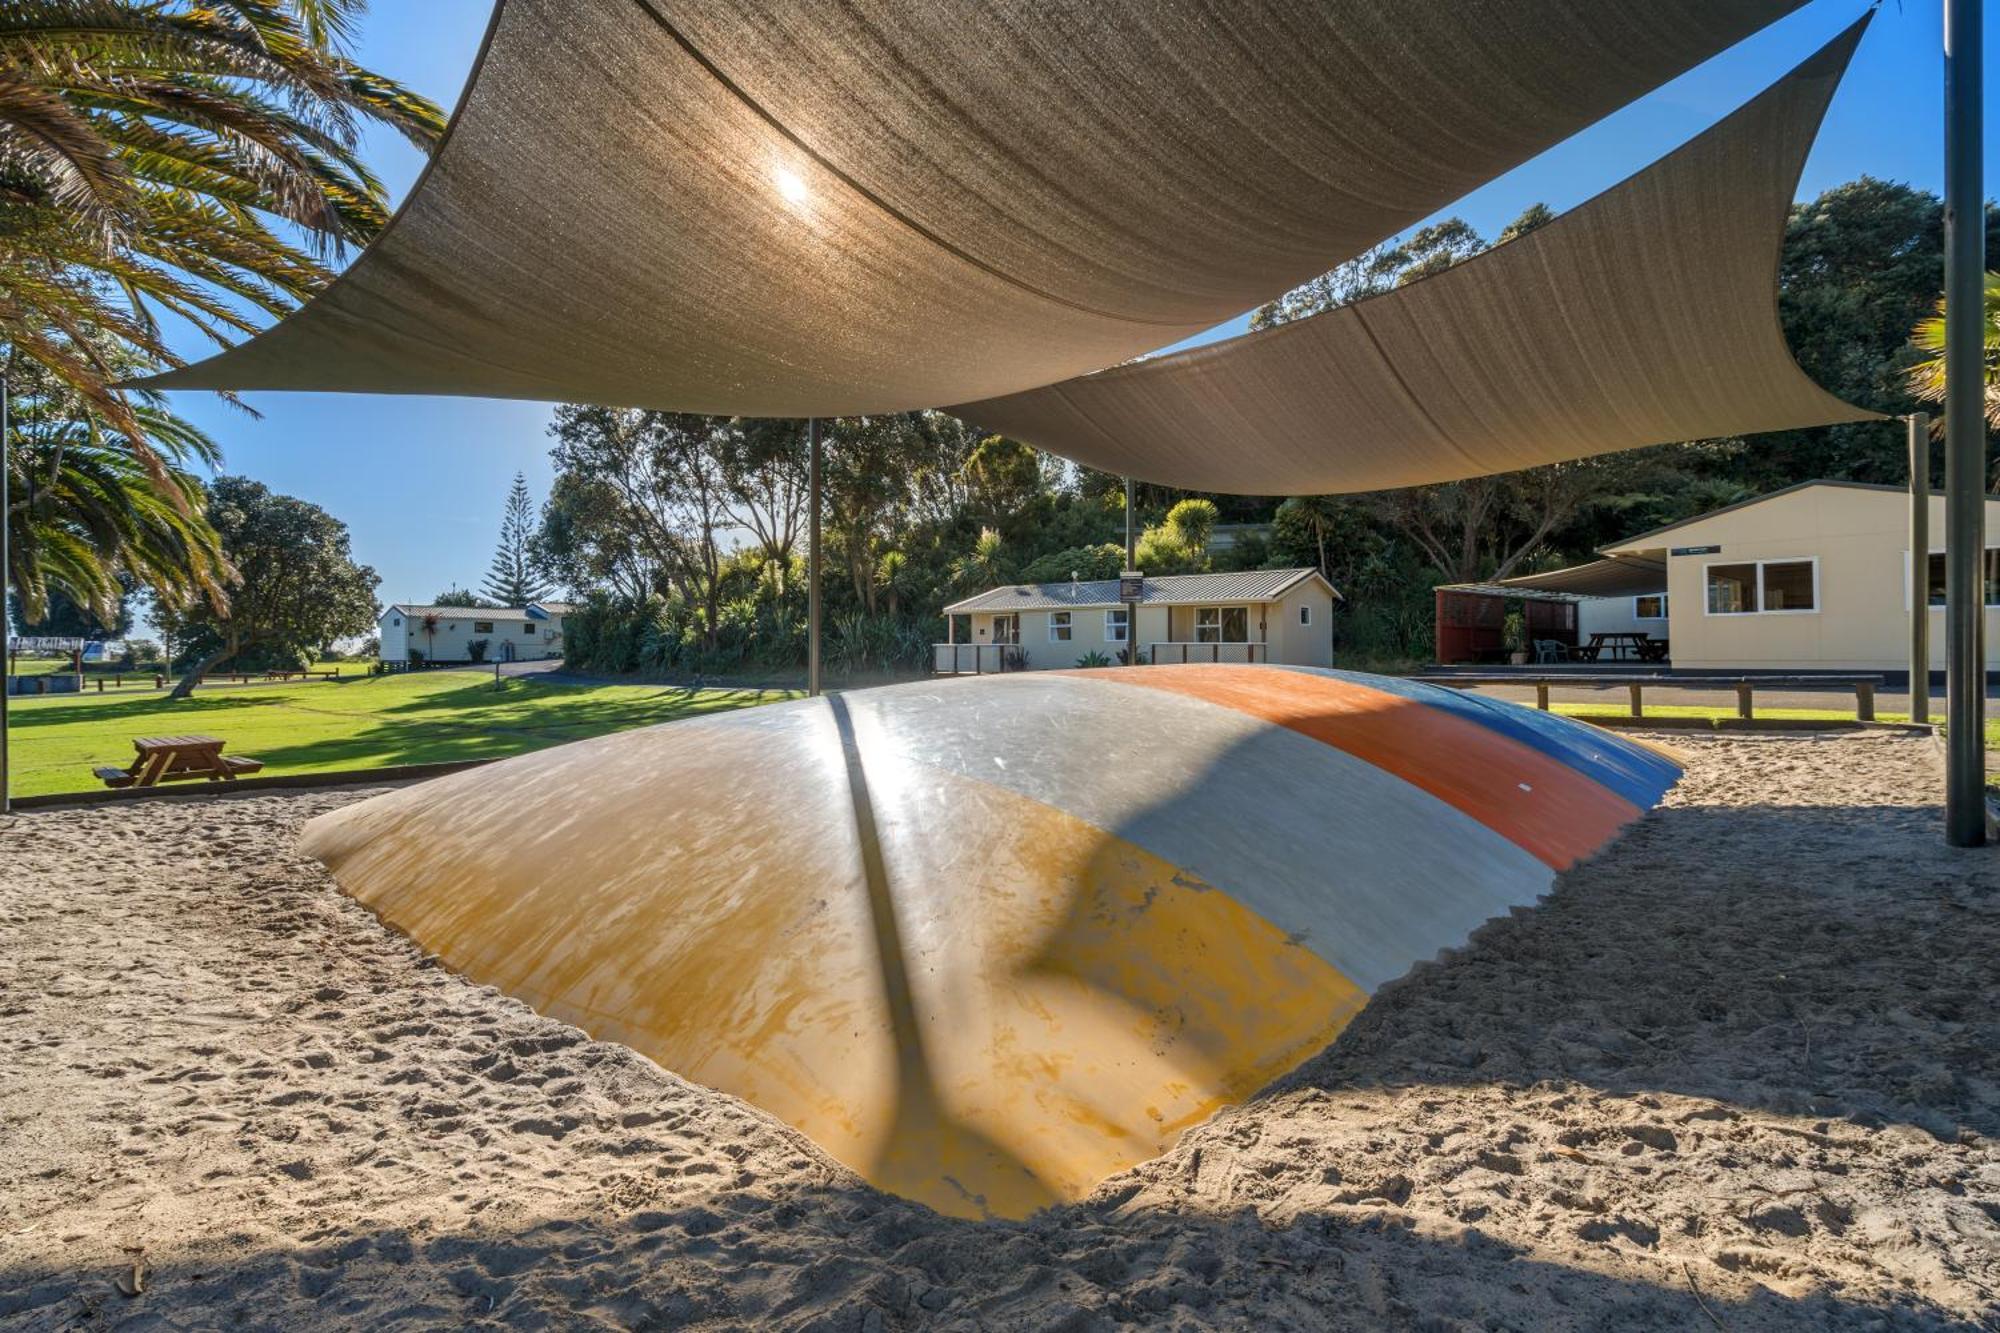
420,481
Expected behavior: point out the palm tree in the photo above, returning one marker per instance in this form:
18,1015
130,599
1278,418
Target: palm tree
84,507
144,144
985,565
1926,377
1320,515
892,573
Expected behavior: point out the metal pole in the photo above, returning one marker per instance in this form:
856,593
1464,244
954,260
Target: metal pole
1920,567
6,582
1131,562
1964,431
812,559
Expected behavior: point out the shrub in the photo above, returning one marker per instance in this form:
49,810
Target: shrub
1095,659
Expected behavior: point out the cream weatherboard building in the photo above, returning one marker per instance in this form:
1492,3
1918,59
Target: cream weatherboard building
1817,575
447,633
1265,615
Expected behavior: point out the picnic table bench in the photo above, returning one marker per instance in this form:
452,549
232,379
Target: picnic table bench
178,759
1619,642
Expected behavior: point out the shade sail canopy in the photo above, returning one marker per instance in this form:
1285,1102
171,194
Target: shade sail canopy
1614,576
991,943
764,208
1644,316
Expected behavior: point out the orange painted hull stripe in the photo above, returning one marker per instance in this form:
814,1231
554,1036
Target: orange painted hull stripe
1539,803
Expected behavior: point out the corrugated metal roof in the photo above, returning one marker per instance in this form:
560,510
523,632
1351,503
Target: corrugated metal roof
1614,576
1251,585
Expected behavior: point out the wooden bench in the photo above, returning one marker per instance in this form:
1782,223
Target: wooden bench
178,759
1745,686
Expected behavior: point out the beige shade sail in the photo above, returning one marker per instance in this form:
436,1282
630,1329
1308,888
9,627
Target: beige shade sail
1644,316
769,208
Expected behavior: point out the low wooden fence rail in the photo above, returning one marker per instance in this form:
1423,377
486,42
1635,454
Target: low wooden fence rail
1212,652
1745,687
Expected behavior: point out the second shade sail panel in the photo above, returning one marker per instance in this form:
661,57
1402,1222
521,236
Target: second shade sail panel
1647,315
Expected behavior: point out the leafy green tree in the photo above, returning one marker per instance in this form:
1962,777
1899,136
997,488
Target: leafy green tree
1533,216
1004,480
1432,249
144,146
297,589
456,596
764,474
513,579
1103,561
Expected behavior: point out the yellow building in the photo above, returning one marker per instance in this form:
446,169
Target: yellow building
1262,615
1814,576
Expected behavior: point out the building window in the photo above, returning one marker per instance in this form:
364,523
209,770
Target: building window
529,629
396,623
1992,580
1767,587
482,627
1652,606
1007,629
1305,615
1058,627
1222,624
1788,586
1732,590
1115,625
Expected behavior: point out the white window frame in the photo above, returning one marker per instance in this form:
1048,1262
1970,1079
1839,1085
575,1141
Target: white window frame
1305,615
1217,611
1068,628
1758,587
1118,632
1014,619
482,627
1637,614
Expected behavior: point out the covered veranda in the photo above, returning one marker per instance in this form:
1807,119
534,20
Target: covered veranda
1472,617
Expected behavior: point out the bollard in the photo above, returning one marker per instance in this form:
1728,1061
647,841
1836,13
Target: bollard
1635,687
1542,695
1743,708
1864,700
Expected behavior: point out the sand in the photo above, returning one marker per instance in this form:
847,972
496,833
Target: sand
1741,1071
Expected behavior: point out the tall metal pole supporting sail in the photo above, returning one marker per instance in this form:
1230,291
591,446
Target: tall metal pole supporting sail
1131,563
1964,430
812,557
1920,567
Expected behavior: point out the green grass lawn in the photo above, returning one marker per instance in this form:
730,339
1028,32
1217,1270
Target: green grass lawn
358,723
40,666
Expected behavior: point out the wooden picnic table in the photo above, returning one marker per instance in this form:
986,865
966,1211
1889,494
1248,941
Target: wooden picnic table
1640,644
160,759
